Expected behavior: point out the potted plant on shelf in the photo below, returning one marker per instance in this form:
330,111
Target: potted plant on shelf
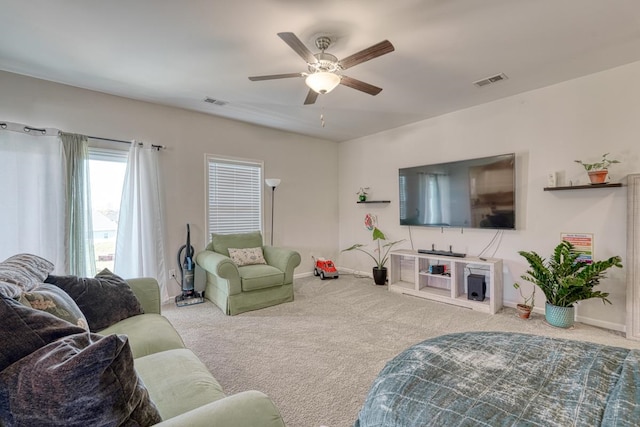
598,171
380,254
564,281
362,194
526,306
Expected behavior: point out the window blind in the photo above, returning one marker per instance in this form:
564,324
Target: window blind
234,193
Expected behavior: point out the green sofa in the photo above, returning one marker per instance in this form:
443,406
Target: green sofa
237,289
182,389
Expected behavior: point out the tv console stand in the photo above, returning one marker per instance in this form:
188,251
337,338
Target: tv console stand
409,273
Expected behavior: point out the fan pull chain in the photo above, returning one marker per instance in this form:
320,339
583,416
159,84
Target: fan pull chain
322,117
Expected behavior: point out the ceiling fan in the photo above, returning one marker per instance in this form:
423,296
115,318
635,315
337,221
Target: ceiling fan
324,69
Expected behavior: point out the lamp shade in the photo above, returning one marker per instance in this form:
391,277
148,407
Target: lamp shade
272,182
322,82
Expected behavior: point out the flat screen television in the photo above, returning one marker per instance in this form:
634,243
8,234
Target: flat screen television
474,193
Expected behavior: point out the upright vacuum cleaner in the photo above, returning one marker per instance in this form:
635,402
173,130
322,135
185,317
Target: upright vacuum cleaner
187,272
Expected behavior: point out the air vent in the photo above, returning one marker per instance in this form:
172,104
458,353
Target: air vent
215,101
489,80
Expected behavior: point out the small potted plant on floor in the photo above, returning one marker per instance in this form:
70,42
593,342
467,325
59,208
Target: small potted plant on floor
564,281
526,306
380,254
598,171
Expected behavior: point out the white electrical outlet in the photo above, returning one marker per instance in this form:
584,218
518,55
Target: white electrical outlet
172,273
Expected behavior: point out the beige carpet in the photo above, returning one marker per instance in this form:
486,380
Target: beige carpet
317,356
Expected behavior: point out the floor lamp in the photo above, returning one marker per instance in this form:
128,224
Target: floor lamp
273,183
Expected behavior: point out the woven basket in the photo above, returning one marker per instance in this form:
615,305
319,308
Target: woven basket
562,317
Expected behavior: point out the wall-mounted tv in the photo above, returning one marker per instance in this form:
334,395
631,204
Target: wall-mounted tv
474,193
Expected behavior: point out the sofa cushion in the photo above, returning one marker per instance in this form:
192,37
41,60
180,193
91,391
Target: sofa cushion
246,256
24,330
148,333
54,300
177,381
104,300
222,242
22,272
80,380
259,277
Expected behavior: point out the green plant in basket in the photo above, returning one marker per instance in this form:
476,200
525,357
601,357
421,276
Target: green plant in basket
563,279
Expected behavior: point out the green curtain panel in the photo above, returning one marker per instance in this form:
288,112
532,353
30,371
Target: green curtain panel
78,225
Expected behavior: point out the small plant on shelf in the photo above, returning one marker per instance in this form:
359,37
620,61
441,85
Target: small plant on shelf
601,165
362,194
598,171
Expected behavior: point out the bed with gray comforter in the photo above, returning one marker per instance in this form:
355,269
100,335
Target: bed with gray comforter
506,379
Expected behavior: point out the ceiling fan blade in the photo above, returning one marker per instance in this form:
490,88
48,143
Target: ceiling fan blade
294,43
367,54
275,76
360,85
311,97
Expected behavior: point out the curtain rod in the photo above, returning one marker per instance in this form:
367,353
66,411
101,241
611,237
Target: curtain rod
157,147
43,131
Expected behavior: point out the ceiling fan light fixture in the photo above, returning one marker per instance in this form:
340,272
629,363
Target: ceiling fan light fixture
322,82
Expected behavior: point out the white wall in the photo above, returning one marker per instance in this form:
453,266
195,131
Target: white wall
547,129
306,211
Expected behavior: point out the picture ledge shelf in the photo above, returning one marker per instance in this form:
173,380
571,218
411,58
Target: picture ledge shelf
375,201
583,187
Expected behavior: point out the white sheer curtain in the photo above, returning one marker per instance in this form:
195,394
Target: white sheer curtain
32,192
140,239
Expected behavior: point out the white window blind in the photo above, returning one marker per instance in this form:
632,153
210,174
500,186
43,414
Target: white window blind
234,195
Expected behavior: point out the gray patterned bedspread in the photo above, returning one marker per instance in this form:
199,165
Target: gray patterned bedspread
506,379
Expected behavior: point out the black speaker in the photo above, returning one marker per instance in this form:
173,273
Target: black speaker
436,269
476,287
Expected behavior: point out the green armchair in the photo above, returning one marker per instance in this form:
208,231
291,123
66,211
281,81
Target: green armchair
236,289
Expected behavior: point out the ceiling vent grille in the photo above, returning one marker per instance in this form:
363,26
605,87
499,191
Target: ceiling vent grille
490,80
215,101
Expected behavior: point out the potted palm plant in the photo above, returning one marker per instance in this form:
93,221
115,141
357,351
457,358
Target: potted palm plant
380,254
598,171
564,281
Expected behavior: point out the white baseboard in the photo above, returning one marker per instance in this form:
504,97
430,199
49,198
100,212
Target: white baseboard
340,270
601,324
301,275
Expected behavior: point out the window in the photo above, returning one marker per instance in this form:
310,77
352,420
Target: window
403,197
107,169
234,195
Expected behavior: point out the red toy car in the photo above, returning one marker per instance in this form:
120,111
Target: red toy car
325,268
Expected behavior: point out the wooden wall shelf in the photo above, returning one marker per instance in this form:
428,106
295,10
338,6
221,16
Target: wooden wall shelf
375,201
584,187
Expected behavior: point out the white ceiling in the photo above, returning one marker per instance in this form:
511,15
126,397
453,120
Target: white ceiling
179,52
